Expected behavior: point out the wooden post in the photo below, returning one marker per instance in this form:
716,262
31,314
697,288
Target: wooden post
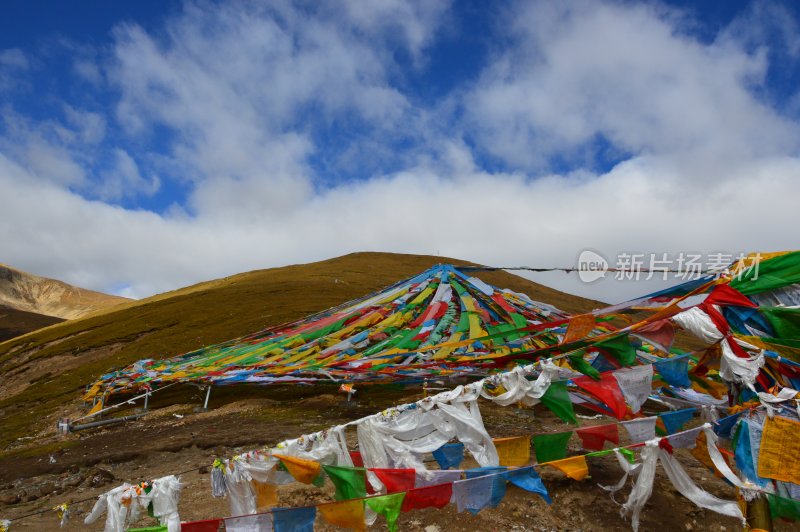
759,516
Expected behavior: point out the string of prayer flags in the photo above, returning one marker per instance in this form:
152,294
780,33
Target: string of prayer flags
674,421
305,471
556,398
396,480
779,456
249,523
514,451
620,348
434,496
636,384
575,467
449,455
674,371
498,490
389,507
549,447
607,390
350,482
642,429
594,438
346,514
294,519
528,479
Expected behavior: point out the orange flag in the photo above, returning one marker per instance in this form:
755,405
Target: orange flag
266,495
779,457
574,467
304,471
347,514
579,327
514,452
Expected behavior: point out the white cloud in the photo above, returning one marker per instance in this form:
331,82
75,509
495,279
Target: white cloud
243,90
580,70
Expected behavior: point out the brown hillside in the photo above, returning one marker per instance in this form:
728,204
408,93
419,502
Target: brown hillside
15,322
44,371
30,293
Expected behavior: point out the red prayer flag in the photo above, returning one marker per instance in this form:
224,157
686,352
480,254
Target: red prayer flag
724,294
396,480
432,496
355,456
209,525
593,438
607,390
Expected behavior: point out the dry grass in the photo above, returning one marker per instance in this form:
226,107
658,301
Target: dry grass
183,320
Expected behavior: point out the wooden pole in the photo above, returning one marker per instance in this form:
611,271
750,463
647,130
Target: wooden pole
759,516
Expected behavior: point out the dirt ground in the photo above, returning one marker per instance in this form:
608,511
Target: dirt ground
178,439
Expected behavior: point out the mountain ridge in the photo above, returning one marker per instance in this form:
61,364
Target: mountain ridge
27,292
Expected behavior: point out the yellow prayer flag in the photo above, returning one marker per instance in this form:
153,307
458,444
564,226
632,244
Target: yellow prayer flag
514,452
779,457
96,408
266,495
304,471
93,391
347,514
574,467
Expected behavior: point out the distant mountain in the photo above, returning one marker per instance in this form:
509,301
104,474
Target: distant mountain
26,292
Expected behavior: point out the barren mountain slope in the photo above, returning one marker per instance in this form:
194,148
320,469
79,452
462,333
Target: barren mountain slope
24,291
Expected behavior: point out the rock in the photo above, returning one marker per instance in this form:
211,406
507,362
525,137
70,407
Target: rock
432,528
688,526
203,470
9,498
97,476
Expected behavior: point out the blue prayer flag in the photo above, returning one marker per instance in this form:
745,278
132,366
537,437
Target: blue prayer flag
674,371
674,421
449,455
294,519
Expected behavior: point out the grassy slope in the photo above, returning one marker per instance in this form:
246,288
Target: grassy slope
207,313
15,322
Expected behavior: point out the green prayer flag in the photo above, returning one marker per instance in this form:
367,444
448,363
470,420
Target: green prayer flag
350,482
549,447
785,321
580,364
389,507
149,529
620,348
785,508
769,274
556,398
628,454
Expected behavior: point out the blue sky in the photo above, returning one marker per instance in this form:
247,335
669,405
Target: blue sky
149,145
